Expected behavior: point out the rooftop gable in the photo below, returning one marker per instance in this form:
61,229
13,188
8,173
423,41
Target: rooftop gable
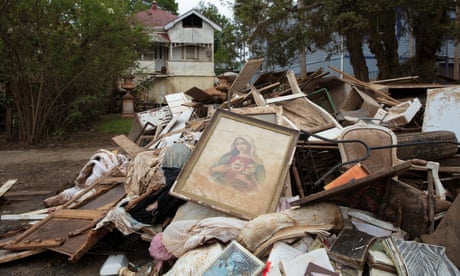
181,17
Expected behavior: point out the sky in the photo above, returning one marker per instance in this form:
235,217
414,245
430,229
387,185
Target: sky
186,5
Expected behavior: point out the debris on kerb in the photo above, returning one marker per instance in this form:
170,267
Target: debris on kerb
258,175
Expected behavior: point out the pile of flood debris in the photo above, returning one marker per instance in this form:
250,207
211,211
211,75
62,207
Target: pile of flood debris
267,174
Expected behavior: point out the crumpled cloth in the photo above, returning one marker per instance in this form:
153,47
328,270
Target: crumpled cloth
145,173
122,220
100,164
182,236
157,249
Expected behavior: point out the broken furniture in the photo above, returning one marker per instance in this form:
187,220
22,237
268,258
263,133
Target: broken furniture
70,231
383,142
300,111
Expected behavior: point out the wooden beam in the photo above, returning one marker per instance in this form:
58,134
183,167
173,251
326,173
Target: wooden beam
7,185
373,87
34,244
131,148
24,217
28,193
77,214
9,256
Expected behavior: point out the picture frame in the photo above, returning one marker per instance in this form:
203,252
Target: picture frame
235,260
272,114
239,165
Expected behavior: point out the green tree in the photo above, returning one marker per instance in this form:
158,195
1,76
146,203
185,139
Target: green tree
430,24
350,23
282,31
61,59
225,42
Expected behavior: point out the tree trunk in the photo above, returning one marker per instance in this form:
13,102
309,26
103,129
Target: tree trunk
354,45
384,45
303,62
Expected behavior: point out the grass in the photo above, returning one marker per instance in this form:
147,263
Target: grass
113,124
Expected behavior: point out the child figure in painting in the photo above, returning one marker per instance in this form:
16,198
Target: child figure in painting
240,167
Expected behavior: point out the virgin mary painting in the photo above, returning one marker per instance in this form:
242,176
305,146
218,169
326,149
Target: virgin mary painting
240,167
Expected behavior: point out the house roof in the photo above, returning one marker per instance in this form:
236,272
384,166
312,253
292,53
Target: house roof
159,37
171,24
154,17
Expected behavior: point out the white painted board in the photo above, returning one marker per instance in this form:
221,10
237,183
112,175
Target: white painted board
442,110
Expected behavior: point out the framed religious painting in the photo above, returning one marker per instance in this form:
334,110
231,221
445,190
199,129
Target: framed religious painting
239,165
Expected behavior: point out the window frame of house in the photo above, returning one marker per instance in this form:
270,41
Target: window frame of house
192,21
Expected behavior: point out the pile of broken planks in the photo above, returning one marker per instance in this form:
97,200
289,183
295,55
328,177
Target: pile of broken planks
357,180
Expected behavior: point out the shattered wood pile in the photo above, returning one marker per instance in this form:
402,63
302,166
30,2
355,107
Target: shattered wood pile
275,176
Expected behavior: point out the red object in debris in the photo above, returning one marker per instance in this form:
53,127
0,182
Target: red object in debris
356,172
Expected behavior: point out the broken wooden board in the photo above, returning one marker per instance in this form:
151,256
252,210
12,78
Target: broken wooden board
245,75
447,233
305,114
354,185
148,120
199,95
35,244
6,186
176,103
407,208
74,226
376,88
131,148
270,113
9,256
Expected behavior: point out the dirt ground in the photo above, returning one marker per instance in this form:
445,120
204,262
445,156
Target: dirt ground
48,169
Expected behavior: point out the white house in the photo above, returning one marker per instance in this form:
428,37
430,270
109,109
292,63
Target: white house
181,54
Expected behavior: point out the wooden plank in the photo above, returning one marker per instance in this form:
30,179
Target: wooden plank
23,217
77,214
6,186
353,185
245,75
131,148
293,83
28,193
449,169
34,244
175,102
373,87
9,256
285,98
199,95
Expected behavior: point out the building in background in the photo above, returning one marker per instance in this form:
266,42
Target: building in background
181,55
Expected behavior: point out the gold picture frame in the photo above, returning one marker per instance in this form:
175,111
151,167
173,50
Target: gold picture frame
239,165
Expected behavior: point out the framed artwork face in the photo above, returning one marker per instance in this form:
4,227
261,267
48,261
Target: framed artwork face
239,165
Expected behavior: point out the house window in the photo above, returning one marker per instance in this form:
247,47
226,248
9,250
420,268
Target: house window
148,55
192,21
190,52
